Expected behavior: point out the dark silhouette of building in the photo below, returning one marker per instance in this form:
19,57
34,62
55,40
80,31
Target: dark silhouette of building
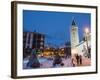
67,49
32,40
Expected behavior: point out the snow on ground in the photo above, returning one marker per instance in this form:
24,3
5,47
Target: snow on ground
48,63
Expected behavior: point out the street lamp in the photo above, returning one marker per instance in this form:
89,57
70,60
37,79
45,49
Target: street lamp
86,31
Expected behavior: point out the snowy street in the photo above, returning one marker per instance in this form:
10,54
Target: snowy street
48,63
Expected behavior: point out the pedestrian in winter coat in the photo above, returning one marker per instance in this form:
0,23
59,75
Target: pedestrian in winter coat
80,59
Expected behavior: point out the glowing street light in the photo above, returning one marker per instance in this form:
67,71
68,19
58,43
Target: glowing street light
86,30
62,49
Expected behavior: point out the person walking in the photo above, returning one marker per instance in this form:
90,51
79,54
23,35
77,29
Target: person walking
73,62
77,58
80,59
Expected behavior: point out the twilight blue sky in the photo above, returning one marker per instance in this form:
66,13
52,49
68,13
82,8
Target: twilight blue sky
55,25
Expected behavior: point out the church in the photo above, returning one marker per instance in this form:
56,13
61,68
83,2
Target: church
80,47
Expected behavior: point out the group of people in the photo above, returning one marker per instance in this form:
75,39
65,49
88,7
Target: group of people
77,60
33,60
57,60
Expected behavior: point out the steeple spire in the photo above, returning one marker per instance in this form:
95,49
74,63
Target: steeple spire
73,23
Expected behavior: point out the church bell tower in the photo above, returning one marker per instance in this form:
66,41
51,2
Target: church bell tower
74,35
